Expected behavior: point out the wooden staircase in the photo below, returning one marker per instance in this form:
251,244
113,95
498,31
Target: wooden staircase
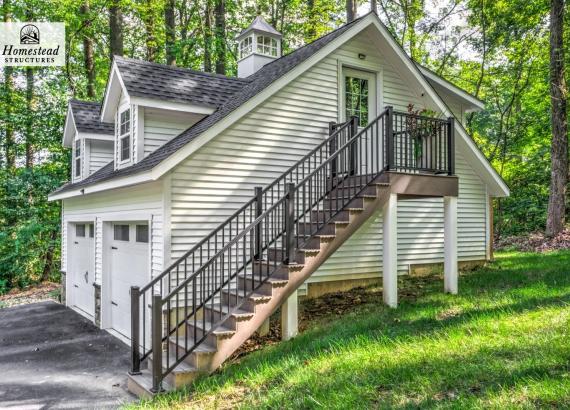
189,319
248,313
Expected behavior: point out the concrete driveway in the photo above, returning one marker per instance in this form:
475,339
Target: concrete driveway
52,357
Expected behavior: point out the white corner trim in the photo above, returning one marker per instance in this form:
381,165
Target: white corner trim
172,106
472,101
269,91
109,106
68,132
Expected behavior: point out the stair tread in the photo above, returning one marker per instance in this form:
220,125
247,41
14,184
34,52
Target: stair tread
269,279
181,367
221,329
239,312
201,348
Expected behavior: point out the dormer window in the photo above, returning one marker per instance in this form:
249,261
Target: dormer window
77,158
125,135
245,47
267,46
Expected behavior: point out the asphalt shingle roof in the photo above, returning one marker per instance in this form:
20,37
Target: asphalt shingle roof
86,116
250,87
175,84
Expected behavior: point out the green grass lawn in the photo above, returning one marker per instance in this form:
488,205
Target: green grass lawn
502,343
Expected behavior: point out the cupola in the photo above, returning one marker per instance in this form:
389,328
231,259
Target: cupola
258,45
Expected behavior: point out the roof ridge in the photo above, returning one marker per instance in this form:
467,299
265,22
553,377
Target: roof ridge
176,68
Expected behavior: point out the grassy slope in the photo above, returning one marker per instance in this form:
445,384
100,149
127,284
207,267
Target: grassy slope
503,342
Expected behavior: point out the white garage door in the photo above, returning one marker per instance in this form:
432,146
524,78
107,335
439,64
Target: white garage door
130,266
82,267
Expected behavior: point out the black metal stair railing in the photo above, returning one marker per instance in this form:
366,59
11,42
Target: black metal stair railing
143,299
266,233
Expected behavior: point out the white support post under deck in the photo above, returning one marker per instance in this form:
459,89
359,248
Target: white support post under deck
450,267
390,243
289,317
264,328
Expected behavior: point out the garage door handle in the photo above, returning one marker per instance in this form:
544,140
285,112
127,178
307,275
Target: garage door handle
75,286
114,303
75,242
112,247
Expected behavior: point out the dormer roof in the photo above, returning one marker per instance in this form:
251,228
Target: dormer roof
84,118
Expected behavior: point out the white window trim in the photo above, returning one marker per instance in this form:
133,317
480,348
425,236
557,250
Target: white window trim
121,136
81,156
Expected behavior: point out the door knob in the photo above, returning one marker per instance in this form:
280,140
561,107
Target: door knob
86,277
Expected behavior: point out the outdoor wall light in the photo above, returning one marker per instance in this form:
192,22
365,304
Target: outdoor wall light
362,56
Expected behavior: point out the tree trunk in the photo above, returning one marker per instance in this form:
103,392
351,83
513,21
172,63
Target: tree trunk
208,36
29,106
88,52
220,17
9,142
170,27
559,150
350,10
149,27
29,117
116,29
374,6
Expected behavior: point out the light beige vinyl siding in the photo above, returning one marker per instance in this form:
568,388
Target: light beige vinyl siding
160,128
216,180
100,154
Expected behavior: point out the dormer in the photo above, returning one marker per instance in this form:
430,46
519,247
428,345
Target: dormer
258,45
151,103
91,141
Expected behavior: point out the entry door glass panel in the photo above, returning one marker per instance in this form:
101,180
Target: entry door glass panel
356,97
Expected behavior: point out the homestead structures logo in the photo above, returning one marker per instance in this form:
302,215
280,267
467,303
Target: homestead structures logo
29,34
32,44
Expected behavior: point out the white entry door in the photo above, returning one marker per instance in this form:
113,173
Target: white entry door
83,267
359,99
130,266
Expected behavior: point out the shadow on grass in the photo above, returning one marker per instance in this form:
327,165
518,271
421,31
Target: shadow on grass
515,284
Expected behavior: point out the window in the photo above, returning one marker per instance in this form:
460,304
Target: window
121,233
91,230
356,97
245,47
267,45
125,135
80,230
142,233
77,158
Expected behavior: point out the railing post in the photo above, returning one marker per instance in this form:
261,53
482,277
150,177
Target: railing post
156,343
135,331
290,224
332,148
389,133
451,146
352,147
258,211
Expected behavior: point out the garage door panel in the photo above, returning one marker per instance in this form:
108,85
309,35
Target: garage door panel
129,267
82,267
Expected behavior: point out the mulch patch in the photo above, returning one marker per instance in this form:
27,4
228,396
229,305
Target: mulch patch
337,303
33,294
535,242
